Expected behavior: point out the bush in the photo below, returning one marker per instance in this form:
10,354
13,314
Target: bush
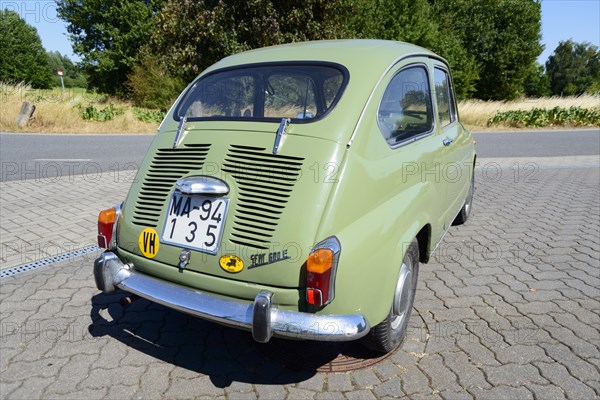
148,115
151,87
541,117
91,113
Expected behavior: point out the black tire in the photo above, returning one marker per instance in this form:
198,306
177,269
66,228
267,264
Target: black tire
465,211
390,333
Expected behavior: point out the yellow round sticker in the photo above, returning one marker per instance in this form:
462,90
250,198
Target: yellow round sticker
148,242
232,264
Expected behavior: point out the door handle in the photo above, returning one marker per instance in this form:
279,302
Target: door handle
447,141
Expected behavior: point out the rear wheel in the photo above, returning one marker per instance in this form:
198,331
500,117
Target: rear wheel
387,335
465,211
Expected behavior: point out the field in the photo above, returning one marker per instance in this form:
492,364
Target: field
475,114
80,111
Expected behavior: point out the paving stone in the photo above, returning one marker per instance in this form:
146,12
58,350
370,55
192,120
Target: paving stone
477,353
330,396
294,394
32,388
521,354
360,395
513,375
468,374
365,378
502,393
431,396
546,391
456,396
190,388
243,396
267,392
156,380
560,376
582,348
414,381
386,370
99,377
390,388
440,376
121,392
340,382
314,383
577,366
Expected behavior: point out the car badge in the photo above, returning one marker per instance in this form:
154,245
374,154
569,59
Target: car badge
184,258
232,264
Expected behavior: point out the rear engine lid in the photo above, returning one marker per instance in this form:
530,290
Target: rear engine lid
265,225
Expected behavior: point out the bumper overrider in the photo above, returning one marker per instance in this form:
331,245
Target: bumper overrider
261,317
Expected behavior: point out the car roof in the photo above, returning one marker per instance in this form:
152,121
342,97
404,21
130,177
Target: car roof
352,53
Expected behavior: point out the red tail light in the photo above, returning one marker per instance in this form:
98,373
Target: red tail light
321,267
106,222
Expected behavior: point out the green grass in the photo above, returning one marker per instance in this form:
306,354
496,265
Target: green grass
542,117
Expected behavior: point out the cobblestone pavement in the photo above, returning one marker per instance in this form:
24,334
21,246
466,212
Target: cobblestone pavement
508,308
42,216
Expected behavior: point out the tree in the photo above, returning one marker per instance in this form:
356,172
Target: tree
22,56
537,83
574,69
72,75
191,36
502,35
414,21
108,35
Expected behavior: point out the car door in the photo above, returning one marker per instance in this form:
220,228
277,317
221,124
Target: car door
455,169
406,118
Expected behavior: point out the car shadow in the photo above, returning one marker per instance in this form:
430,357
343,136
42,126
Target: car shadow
224,354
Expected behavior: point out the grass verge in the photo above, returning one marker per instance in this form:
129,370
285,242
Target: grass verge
78,111
475,114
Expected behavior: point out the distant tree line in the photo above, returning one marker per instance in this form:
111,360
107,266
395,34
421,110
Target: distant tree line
23,58
150,49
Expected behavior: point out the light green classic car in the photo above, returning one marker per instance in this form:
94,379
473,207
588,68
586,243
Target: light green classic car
292,191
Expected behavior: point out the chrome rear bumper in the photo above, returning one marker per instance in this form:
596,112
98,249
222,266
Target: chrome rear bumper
261,317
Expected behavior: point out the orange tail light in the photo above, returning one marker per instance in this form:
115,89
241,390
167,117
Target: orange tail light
320,272
106,222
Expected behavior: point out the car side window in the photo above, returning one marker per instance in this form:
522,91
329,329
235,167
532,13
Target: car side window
406,112
445,100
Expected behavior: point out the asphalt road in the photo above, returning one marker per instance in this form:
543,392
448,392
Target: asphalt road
29,156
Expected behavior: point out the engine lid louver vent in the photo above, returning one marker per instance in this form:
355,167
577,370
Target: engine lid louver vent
265,182
167,166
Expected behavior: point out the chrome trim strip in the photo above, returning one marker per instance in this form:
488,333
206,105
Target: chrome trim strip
114,239
202,184
237,314
180,128
283,125
332,243
388,69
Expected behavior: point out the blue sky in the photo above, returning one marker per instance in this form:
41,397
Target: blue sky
561,20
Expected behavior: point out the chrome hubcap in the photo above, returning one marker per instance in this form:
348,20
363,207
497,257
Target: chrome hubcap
404,288
469,199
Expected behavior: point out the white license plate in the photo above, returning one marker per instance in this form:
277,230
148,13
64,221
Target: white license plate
195,222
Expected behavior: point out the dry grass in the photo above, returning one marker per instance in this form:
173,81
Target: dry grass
54,114
59,115
475,113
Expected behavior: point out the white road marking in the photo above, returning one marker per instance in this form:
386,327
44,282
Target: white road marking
63,159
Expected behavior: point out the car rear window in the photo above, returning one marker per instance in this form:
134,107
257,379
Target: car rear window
302,92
